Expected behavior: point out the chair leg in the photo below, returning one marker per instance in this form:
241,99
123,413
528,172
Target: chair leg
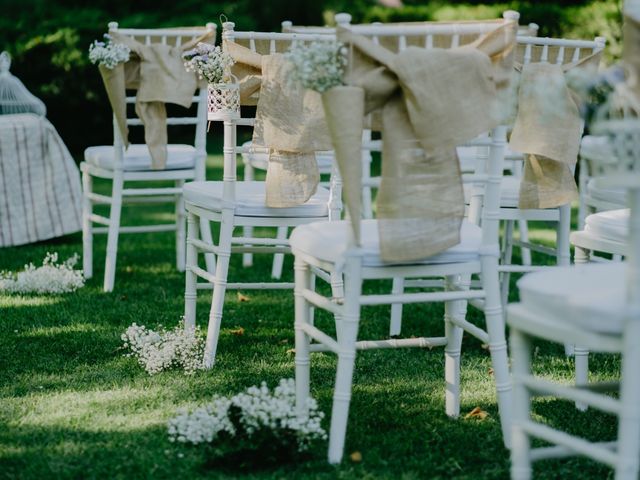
563,249
278,258
347,334
190,289
180,229
87,225
497,342
205,236
581,360
521,447
395,325
629,423
507,256
523,228
219,288
114,230
247,232
452,352
302,355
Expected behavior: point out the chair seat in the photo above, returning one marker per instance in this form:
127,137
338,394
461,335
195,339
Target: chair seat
509,191
617,196
137,158
611,225
250,200
589,296
258,157
328,241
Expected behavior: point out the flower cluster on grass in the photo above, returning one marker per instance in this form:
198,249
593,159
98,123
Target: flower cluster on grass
255,420
107,53
209,62
51,277
157,351
318,66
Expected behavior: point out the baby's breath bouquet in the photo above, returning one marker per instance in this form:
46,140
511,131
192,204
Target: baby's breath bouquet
257,427
318,66
51,277
163,349
107,53
208,62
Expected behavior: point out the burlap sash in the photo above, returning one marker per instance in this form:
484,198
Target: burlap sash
547,129
631,52
431,100
157,72
289,121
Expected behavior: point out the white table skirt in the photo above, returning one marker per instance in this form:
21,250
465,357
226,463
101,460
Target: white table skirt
40,194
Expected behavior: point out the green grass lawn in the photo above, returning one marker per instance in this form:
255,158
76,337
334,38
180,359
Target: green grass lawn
72,406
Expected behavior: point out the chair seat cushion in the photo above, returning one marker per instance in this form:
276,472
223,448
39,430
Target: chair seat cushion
137,158
590,296
250,200
328,241
610,225
258,157
509,191
617,196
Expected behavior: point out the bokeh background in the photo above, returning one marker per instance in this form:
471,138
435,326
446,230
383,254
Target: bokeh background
49,39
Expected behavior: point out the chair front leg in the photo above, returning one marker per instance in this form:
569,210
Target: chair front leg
453,309
87,225
114,230
395,325
347,334
302,318
180,228
521,448
191,279
278,258
219,287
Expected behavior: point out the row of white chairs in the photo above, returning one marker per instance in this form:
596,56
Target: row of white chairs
321,248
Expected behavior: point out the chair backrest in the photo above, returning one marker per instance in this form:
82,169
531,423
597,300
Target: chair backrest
173,37
560,51
267,43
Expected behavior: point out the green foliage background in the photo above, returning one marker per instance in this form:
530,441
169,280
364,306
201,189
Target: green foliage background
48,39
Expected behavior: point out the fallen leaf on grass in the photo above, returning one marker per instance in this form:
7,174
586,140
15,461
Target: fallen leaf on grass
477,413
490,371
237,331
283,342
242,298
356,457
291,351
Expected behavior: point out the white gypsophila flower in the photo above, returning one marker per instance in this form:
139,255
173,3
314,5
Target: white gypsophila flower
51,277
318,66
209,62
107,53
157,351
260,409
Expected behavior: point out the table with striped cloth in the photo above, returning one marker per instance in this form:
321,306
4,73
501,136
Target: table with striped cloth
40,193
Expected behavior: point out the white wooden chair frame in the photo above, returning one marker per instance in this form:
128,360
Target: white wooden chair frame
119,175
624,454
348,299
229,220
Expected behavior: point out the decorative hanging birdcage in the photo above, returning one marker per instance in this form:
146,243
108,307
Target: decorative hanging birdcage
14,96
224,100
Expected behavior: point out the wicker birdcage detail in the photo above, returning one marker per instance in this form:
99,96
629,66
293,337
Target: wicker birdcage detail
223,101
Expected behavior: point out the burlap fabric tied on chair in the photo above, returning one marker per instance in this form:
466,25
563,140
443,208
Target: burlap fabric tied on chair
289,122
431,101
158,75
547,130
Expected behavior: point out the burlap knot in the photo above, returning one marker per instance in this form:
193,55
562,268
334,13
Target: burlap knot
158,74
431,100
289,122
548,128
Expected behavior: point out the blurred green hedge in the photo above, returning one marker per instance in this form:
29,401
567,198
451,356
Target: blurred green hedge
48,39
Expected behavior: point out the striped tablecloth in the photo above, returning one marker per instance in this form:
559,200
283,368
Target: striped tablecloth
40,194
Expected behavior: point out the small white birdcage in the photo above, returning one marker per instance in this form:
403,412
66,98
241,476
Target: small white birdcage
224,100
14,96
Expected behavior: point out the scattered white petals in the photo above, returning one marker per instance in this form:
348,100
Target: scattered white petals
51,277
